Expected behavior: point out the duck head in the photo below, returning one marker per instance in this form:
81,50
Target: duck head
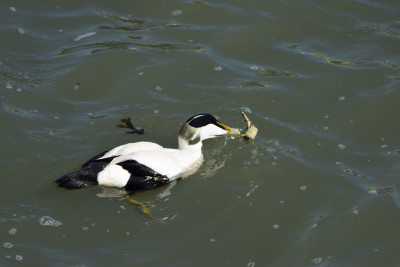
200,127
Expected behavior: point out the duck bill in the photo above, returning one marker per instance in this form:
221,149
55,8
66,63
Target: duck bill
225,127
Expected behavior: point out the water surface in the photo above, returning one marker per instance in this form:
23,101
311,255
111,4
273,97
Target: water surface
319,79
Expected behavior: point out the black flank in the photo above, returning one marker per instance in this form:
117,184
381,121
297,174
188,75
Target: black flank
142,177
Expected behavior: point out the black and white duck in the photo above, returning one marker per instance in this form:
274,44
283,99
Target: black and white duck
145,165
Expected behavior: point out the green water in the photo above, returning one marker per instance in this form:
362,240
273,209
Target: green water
320,80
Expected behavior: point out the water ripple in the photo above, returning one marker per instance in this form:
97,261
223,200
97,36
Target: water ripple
127,46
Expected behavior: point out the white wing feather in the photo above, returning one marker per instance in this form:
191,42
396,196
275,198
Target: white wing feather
131,148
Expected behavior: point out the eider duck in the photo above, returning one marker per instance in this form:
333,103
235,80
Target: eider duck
145,165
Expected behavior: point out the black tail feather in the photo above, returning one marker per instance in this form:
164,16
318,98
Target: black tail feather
86,176
74,180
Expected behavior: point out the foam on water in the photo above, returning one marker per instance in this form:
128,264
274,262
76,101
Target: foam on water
12,231
48,221
176,12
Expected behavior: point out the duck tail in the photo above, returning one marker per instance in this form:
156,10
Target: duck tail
75,180
86,175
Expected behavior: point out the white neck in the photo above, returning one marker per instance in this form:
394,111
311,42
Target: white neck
183,145
191,156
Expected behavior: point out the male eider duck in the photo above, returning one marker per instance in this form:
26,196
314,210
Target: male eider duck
145,165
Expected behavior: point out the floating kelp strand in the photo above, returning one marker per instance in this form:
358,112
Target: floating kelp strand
254,84
328,59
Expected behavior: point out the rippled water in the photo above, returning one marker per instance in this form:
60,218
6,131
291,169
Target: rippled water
320,79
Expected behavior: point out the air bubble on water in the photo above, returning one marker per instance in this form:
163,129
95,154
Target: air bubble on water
177,12
21,31
355,211
19,90
156,111
48,221
12,231
76,86
341,98
8,256
212,240
218,68
13,9
341,146
275,226
9,85
19,257
85,228
8,245
158,88
141,73
325,128
251,264
303,187
317,261
315,225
